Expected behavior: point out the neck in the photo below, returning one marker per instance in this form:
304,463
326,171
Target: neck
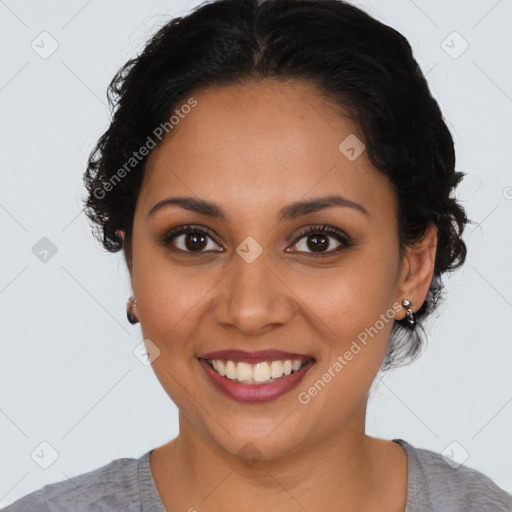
344,467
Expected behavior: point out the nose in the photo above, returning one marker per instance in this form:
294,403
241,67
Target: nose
253,298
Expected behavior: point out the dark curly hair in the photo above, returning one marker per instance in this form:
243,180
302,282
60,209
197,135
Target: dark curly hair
363,65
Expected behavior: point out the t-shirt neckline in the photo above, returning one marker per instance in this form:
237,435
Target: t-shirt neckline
152,502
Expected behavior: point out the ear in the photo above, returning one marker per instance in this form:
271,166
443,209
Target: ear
121,234
418,270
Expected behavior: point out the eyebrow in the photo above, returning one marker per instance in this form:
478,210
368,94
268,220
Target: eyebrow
289,212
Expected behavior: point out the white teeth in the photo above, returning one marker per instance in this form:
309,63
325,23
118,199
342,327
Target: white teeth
243,371
221,367
276,369
230,370
263,372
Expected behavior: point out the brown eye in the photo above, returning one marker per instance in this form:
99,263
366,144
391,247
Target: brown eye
194,241
190,239
317,239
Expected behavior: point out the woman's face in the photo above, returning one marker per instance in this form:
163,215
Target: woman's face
256,153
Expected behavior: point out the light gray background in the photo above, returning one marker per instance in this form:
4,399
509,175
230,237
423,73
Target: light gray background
67,372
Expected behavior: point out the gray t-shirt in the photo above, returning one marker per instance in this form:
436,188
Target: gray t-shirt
127,485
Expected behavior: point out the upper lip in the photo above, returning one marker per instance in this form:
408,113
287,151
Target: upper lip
254,357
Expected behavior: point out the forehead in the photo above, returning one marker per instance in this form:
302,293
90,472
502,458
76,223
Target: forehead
261,143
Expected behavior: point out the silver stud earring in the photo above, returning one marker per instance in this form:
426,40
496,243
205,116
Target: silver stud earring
410,315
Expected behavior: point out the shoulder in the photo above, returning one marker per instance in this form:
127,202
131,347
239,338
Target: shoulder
434,484
113,486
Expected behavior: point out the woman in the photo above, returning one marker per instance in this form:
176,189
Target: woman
280,180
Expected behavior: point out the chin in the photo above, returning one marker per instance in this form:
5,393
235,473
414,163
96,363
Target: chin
254,445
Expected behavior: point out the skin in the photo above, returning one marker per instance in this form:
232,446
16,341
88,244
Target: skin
253,149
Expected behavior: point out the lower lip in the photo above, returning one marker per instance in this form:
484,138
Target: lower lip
256,392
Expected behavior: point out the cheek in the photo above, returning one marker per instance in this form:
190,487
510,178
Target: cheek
352,316
352,296
169,302
169,295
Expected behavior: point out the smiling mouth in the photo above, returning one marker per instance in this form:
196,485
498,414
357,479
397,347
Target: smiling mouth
263,372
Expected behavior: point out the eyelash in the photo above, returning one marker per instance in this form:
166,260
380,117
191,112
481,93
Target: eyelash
345,241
